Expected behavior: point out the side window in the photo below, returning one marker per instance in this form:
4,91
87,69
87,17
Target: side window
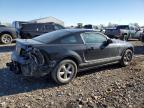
49,28
71,39
29,27
93,38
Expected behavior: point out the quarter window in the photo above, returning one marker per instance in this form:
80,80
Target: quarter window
93,38
69,40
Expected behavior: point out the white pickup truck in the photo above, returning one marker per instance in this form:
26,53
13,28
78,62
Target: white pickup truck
124,32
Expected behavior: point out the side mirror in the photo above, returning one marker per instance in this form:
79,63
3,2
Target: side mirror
109,41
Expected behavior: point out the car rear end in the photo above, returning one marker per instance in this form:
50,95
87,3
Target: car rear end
27,59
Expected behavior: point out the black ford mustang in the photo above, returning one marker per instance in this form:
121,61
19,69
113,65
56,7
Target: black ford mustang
63,53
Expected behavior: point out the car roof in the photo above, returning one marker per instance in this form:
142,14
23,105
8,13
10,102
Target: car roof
78,30
48,37
34,23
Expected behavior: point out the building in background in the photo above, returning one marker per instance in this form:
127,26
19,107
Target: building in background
47,20
18,24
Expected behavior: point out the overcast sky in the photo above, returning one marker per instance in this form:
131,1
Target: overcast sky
74,11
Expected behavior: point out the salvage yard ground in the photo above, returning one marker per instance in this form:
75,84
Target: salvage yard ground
106,87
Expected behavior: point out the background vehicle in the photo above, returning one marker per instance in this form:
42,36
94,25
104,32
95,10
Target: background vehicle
30,30
18,25
63,53
7,34
89,26
123,32
142,37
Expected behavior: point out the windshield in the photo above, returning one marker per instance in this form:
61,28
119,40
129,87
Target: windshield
49,37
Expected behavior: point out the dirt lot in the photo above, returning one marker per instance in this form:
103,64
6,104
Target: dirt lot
107,87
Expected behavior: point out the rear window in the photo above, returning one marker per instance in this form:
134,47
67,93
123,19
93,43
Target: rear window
29,27
49,37
123,27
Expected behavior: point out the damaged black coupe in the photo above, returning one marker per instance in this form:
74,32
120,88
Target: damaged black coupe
63,53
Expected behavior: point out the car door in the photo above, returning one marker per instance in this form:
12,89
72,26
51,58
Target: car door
33,29
132,32
138,33
97,48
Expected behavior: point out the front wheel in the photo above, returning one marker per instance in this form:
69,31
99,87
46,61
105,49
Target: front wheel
64,72
6,38
126,58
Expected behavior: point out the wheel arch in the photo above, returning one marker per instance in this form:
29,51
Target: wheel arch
6,32
73,59
130,48
125,33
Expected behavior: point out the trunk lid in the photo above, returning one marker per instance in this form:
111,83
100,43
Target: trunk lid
28,41
23,44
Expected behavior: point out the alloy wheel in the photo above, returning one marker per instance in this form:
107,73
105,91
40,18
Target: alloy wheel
6,38
66,71
127,58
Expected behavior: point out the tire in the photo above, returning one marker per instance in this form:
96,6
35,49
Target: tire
141,38
65,71
127,57
125,37
6,38
15,67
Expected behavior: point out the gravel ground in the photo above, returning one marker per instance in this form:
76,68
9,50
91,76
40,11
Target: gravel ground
107,87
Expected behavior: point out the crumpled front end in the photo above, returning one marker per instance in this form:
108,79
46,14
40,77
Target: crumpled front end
30,62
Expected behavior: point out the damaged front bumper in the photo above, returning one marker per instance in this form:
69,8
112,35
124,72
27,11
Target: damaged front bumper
28,66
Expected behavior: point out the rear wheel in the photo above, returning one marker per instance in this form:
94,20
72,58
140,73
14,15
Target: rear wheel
125,37
141,38
64,72
6,38
126,58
